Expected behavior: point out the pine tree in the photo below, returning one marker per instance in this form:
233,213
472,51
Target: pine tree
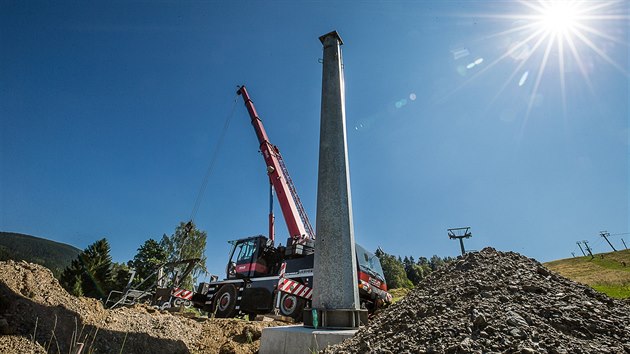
90,274
435,262
149,257
120,276
76,286
414,272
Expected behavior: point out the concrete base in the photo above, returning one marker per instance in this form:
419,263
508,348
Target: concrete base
300,340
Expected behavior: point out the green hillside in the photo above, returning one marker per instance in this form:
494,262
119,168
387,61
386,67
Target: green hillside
606,272
52,255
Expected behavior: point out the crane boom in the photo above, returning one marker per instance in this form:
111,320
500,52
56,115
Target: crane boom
295,216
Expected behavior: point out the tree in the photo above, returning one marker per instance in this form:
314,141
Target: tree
149,257
76,290
436,262
120,276
187,242
90,274
448,259
415,273
394,271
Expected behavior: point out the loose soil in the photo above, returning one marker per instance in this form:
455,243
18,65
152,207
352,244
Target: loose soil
32,303
496,302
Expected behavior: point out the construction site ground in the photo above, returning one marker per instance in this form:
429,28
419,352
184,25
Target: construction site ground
38,316
485,302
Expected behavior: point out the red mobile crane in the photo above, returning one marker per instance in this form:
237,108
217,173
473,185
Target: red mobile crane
259,272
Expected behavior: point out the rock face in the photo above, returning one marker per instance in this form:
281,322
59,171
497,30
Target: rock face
497,302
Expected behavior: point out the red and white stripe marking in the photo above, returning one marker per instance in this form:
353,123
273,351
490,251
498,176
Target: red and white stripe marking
295,288
291,286
182,293
283,269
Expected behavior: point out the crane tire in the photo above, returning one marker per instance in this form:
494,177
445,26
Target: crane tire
178,302
292,306
224,304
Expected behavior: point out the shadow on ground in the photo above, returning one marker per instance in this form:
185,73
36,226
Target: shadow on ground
56,328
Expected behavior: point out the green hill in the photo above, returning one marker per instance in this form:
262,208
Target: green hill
607,272
52,255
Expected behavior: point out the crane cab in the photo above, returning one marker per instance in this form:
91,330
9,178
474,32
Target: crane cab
252,257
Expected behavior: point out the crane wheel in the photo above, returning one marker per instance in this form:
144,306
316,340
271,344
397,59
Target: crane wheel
224,304
292,306
179,302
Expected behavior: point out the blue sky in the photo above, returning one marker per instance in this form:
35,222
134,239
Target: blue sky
111,111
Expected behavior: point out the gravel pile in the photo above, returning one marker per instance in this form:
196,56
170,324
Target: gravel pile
497,302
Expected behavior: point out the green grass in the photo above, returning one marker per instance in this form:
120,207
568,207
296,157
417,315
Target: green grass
605,273
612,290
398,293
613,261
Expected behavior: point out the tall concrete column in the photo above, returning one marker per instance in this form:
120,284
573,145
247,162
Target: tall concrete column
335,292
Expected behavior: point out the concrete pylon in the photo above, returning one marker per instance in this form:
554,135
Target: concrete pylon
335,302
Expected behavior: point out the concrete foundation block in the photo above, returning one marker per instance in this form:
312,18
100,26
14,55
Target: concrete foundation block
299,339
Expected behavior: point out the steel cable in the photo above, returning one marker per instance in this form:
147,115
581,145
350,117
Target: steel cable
215,154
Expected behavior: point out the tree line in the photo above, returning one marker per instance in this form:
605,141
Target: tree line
94,274
407,272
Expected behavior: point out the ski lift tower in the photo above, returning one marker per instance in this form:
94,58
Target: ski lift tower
460,233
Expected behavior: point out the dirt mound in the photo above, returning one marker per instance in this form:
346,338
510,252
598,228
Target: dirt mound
33,303
497,302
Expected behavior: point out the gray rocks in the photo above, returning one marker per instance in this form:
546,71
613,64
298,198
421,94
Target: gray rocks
514,319
491,302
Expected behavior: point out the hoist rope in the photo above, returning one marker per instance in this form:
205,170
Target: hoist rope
217,148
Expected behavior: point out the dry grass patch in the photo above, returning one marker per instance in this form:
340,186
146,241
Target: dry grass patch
606,272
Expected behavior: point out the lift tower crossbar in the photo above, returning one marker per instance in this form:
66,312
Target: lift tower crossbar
460,233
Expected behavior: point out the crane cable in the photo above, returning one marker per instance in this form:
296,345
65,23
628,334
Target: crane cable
204,182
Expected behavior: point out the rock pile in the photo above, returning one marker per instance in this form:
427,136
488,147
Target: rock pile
497,302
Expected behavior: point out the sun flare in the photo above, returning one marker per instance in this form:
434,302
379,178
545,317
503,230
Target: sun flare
559,17
552,42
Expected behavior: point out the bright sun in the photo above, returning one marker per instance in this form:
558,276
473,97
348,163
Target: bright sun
559,17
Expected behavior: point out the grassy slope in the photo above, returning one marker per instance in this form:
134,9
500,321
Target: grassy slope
604,273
